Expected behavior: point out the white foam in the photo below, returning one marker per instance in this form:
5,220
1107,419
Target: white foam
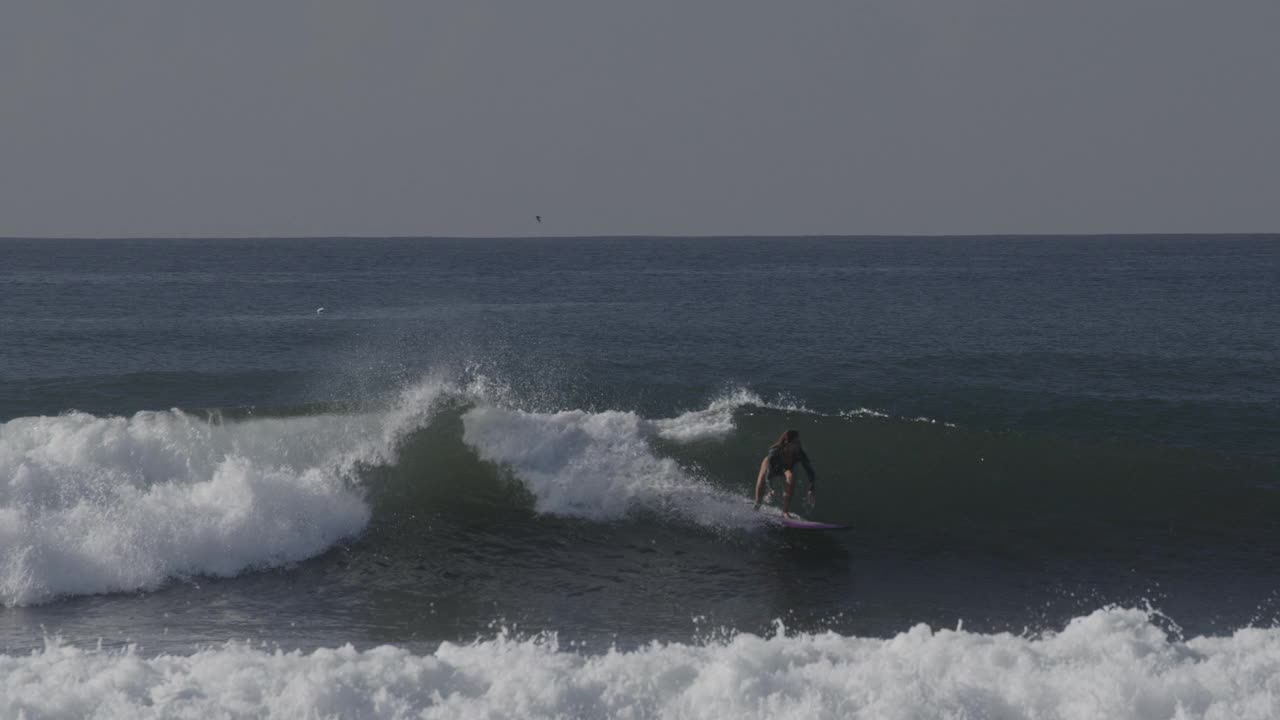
1113,664
100,504
595,465
865,412
871,412
710,423
716,420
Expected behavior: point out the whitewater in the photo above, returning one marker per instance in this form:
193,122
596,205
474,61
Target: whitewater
1114,663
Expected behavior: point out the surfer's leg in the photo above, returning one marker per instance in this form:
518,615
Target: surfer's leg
788,484
764,471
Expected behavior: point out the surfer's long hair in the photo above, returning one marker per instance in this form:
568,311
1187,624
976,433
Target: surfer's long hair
788,446
786,438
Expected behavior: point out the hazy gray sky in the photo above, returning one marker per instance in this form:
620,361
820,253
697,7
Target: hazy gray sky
468,117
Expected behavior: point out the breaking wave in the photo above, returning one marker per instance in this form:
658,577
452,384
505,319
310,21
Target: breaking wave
101,504
1113,663
105,504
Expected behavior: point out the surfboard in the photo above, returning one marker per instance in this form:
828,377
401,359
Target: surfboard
772,514
798,523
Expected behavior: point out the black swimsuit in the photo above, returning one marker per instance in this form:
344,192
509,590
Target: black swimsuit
777,465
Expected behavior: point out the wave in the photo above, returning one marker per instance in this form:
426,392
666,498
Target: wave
902,482
101,504
94,504
105,504
1113,663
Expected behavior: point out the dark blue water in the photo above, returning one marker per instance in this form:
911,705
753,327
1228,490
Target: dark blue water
1020,430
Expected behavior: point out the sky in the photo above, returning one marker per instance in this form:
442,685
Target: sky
649,117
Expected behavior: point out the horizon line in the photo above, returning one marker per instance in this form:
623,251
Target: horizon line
732,236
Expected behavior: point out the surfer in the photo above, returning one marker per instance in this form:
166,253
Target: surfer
782,458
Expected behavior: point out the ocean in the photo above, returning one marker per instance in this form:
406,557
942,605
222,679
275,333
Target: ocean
418,477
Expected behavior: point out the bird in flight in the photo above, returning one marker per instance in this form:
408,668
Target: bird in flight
539,218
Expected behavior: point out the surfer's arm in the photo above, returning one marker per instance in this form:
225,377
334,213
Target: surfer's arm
764,489
808,470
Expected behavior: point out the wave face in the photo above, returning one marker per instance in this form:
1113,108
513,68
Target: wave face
1113,663
913,478
100,504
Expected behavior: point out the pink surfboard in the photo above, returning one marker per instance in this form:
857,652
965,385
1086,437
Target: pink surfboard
796,523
